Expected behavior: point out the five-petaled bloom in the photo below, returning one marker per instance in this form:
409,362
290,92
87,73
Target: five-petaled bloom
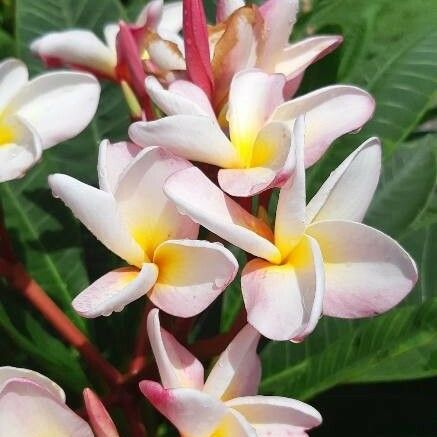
131,215
38,114
319,258
226,404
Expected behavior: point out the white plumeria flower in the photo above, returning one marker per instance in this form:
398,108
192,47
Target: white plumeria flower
33,405
38,114
80,48
227,404
258,154
318,259
131,215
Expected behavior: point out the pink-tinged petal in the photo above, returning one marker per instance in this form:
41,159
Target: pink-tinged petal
348,191
178,368
252,98
197,138
192,274
151,14
114,290
186,89
7,373
100,420
272,163
236,50
193,413
237,372
172,17
279,18
13,76
195,195
50,104
98,211
290,219
225,8
20,151
28,409
329,113
196,46
277,416
294,59
113,160
284,302
76,48
148,213
130,67
169,102
367,272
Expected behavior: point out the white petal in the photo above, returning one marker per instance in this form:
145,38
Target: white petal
178,368
285,302
290,213
225,8
98,211
7,373
114,290
237,372
277,416
367,272
110,32
113,160
59,105
197,138
171,17
20,149
28,409
149,214
13,76
195,195
348,191
77,48
329,113
192,92
192,274
235,425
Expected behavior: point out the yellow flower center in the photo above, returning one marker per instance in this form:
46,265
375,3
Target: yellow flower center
7,134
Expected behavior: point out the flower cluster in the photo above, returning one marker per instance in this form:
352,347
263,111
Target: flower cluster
214,125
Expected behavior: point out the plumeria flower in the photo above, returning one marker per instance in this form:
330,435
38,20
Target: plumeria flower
250,36
258,154
131,215
38,114
33,405
317,259
80,48
226,404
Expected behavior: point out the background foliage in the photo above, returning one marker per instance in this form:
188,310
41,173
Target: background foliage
390,49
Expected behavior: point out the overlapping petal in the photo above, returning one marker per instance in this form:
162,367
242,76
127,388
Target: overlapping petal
13,76
100,420
192,274
367,272
225,8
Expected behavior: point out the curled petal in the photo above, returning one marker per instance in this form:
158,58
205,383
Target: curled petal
367,272
147,212
113,291
195,195
113,160
29,409
192,274
76,48
197,138
172,17
7,373
277,416
151,14
193,413
164,54
348,191
50,104
20,148
13,76
237,372
329,113
225,8
178,368
100,419
285,302
98,211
